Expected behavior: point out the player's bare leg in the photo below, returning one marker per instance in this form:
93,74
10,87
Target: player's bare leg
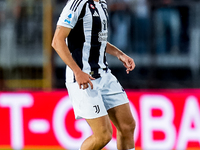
122,118
102,133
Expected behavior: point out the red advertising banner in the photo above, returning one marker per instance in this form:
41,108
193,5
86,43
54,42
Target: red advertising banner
165,120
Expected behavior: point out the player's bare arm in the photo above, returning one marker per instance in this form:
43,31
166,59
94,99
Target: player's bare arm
62,49
127,61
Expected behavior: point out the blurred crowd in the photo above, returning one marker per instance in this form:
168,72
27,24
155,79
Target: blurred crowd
141,27
20,28
149,26
133,24
129,25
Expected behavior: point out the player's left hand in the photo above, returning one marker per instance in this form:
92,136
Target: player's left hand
127,62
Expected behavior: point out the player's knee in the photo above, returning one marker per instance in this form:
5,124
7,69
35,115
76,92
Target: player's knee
131,127
128,129
105,137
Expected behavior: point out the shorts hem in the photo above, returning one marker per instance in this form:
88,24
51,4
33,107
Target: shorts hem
117,105
92,117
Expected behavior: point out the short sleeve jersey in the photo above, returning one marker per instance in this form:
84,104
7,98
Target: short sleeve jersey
87,40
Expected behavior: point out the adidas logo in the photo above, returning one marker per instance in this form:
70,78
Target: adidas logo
96,14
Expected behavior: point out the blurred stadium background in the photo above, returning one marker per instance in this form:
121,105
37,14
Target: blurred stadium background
161,35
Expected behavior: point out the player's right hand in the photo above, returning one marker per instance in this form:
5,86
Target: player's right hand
84,80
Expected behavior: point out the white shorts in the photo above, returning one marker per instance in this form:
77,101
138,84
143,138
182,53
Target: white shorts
93,103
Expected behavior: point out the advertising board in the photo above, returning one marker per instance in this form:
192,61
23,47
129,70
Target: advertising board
165,120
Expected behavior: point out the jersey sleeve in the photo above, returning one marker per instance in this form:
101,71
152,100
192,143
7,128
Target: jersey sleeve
70,13
104,3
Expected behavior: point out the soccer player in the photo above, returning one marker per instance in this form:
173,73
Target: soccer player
80,40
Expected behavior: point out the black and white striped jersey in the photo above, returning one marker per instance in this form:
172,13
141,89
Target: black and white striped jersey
87,40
